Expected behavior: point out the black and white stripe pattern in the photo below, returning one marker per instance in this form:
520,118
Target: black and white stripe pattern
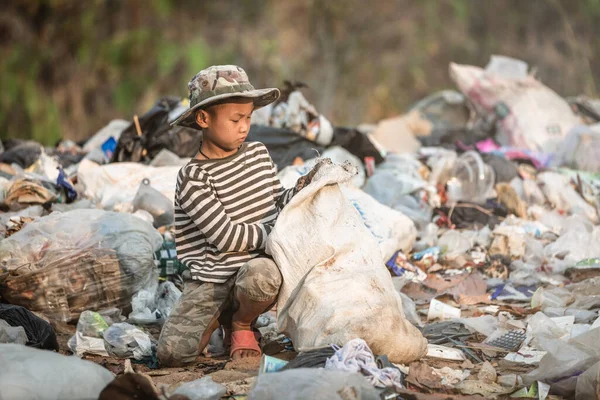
224,211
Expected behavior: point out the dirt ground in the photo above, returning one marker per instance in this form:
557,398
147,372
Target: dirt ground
237,376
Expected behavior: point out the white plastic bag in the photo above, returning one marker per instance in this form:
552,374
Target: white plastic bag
45,375
124,340
530,115
12,334
312,383
580,149
201,389
81,345
324,252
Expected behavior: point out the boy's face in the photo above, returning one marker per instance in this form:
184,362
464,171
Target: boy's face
227,125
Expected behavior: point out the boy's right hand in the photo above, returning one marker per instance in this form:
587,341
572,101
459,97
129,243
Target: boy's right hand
305,180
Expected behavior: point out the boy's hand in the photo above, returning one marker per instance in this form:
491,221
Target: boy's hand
305,180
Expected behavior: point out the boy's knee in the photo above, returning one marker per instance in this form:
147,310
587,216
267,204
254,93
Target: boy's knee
259,279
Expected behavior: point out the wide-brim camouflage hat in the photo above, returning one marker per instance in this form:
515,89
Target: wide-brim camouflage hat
220,82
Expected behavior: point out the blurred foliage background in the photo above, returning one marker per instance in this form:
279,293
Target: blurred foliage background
67,67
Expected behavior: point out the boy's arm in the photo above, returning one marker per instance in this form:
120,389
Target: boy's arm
201,205
282,196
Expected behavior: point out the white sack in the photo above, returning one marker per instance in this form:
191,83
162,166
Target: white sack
335,284
530,115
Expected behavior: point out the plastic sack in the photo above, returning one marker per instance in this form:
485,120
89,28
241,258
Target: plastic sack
160,207
529,115
115,185
41,375
289,175
312,383
123,340
12,334
562,196
324,251
91,324
201,389
67,263
471,180
392,229
39,332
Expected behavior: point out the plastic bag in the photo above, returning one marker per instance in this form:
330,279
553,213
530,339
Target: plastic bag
149,199
40,375
123,340
39,332
166,297
312,383
12,334
201,389
471,179
154,306
114,186
529,115
564,362
329,253
91,324
80,345
67,263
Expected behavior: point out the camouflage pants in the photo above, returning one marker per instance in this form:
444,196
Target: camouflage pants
203,303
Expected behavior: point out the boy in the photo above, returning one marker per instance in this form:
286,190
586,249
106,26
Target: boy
226,202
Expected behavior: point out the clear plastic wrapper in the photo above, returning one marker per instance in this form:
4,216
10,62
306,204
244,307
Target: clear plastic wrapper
67,263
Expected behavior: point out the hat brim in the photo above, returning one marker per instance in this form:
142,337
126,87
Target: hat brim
262,97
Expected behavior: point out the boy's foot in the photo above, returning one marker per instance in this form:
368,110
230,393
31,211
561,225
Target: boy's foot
244,345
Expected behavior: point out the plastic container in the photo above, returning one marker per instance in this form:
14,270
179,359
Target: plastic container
472,179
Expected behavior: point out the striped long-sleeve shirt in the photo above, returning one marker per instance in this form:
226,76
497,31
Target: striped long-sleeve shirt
224,211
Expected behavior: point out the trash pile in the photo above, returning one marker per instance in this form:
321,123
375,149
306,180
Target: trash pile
453,249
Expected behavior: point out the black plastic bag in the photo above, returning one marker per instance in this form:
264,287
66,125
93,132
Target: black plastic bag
284,145
39,333
156,135
356,143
